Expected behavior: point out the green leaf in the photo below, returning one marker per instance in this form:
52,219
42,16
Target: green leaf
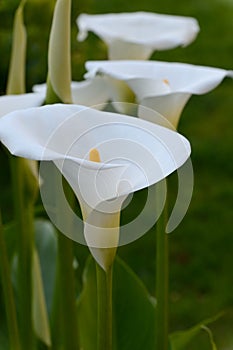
87,308
46,244
133,310
10,236
44,273
9,299
180,340
39,310
4,343
211,338
43,277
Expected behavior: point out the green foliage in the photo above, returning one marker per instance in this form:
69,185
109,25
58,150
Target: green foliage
39,309
133,310
181,340
46,244
43,271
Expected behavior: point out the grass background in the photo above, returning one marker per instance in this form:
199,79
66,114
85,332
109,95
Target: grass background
201,248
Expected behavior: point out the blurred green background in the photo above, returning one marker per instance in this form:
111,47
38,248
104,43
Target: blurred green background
201,248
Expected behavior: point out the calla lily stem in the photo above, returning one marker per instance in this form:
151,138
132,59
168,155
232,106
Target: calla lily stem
25,227
162,276
64,315
8,295
67,297
104,297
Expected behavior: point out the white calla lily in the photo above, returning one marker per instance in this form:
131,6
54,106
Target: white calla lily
161,86
10,103
92,92
104,156
136,35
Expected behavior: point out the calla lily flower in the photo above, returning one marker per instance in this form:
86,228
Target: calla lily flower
136,35
10,103
92,93
16,75
59,61
104,156
161,86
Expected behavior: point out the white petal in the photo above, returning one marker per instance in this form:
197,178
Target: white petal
169,106
26,131
182,77
92,93
119,91
120,49
40,88
137,35
10,103
161,86
101,231
146,87
133,151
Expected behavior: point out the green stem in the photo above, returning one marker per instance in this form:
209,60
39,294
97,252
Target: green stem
162,276
8,295
104,297
67,295
64,317
25,227
56,316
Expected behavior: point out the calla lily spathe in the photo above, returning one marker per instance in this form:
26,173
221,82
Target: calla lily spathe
10,103
161,86
16,75
136,35
59,60
91,92
132,154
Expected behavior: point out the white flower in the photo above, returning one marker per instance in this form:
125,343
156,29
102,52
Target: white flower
104,157
10,103
136,35
161,86
92,93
